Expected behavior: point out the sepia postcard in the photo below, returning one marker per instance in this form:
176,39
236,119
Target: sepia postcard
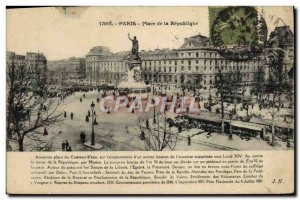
150,100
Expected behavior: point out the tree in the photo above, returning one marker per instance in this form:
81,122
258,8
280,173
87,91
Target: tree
158,136
182,84
259,82
275,83
29,105
220,85
227,85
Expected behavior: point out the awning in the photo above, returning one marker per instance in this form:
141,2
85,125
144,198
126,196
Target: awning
246,125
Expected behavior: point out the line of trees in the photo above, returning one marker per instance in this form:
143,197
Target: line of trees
157,136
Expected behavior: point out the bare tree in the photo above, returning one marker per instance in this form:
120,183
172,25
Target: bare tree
275,83
29,105
259,82
227,85
158,136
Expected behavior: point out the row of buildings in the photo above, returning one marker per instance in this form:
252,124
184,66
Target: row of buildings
196,62
35,62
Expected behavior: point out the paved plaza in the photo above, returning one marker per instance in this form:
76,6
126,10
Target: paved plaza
118,131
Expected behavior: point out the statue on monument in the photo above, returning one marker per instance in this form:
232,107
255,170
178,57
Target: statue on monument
135,48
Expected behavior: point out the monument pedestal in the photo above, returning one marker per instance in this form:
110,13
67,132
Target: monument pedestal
133,83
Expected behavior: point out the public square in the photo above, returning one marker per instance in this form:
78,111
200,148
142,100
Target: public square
118,131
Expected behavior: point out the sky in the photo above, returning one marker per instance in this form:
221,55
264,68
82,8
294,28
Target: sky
62,33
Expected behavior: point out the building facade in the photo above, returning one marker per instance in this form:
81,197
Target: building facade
36,62
105,67
72,70
196,62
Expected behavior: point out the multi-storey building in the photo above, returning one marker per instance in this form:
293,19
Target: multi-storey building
14,59
195,62
105,67
282,37
72,70
36,62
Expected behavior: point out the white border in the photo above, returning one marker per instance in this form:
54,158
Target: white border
5,3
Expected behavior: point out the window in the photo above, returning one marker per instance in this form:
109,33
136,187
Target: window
197,61
189,54
197,68
175,62
204,68
190,62
182,62
181,68
189,68
197,54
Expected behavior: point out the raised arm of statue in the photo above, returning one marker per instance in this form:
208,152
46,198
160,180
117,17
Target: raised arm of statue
129,37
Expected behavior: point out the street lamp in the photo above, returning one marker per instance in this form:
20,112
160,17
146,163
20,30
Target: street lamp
93,134
230,126
154,117
153,88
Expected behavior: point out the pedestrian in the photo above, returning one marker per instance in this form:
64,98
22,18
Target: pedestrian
69,148
65,114
89,113
67,145
142,135
179,128
94,113
63,146
80,99
95,122
147,123
87,119
83,95
98,100
72,115
189,141
82,137
45,131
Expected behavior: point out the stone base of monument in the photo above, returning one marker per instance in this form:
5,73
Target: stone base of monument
96,146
